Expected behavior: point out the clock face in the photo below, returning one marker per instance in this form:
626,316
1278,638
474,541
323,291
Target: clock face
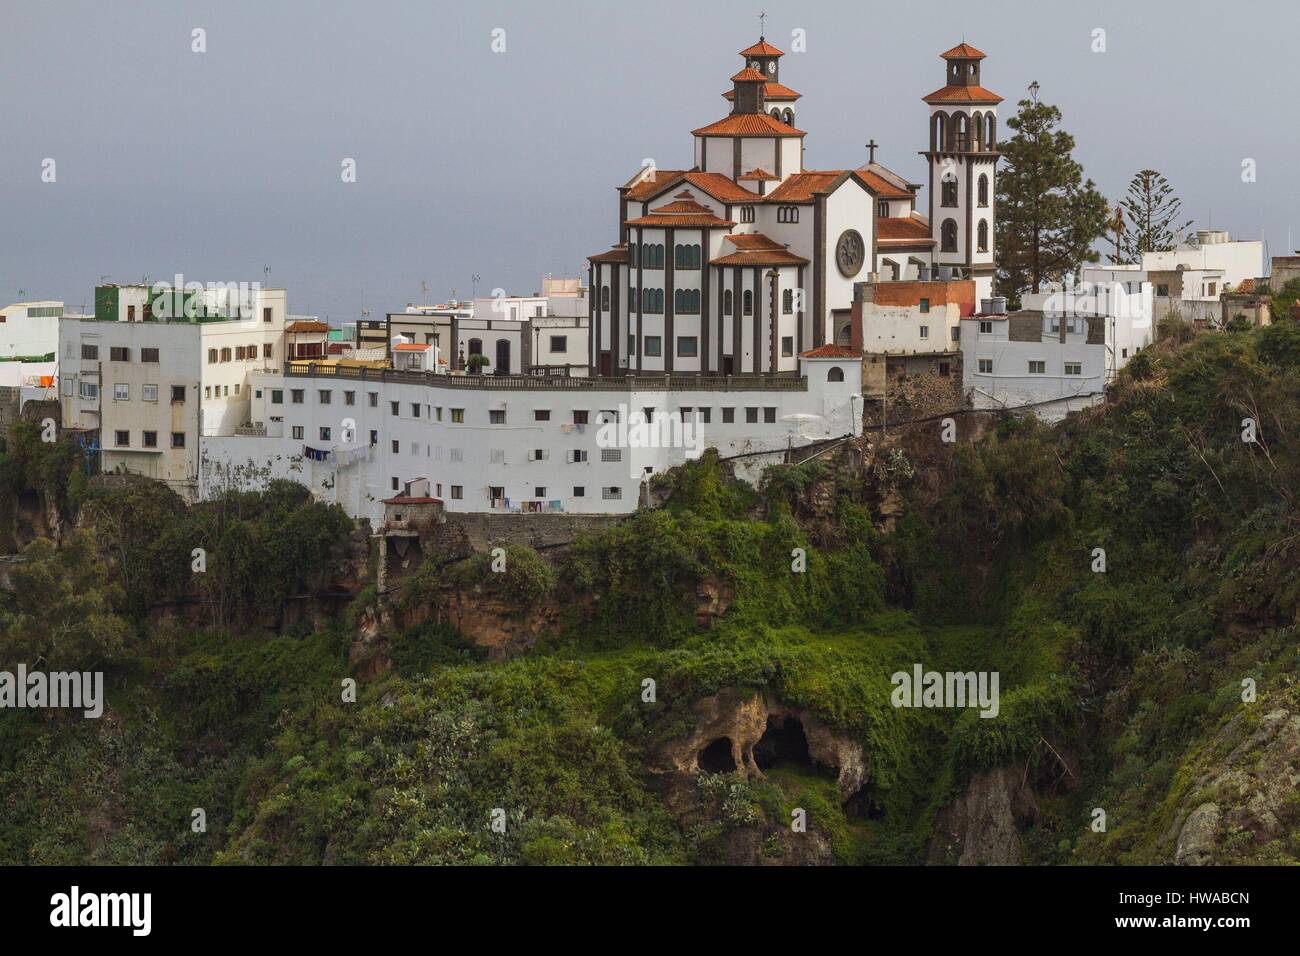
771,67
849,253
755,65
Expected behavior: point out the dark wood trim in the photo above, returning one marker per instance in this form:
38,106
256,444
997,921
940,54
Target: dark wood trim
774,324
616,332
970,206
758,318
595,312
819,271
640,296
737,316
670,299
706,310
735,157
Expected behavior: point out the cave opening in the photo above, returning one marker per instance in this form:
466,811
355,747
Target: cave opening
717,758
783,743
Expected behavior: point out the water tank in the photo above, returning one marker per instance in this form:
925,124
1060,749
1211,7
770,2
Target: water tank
986,306
999,305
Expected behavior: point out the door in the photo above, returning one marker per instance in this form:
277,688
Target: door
728,364
503,357
606,363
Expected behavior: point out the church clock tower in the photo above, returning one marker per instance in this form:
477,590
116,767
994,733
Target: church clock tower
963,158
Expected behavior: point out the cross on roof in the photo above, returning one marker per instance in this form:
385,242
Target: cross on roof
871,146
762,17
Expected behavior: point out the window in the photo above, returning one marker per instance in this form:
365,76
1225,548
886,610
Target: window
686,257
149,439
983,190
688,346
496,416
986,366
925,306
787,213
882,209
948,236
415,409
266,350
456,454
1037,367
686,301
652,301
611,493
297,432
225,355
374,437
559,343
458,416
986,328
1073,368
212,356
178,393
457,492
325,396
539,454
89,351
728,416
149,393
746,213
949,193
149,355
578,456
1162,289
89,390
396,446
121,392
653,345
324,433
580,416
747,302
836,374
395,484
705,415
604,298
539,491
266,313
751,415
982,236
611,454
121,438
119,354
178,439
925,331
239,351
374,399
787,346
349,398
787,301
296,395
726,302
769,415
579,491
395,408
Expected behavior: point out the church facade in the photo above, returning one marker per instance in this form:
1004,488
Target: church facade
747,260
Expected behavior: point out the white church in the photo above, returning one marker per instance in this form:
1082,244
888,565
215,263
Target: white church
747,259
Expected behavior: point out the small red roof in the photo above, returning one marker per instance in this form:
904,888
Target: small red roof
756,174
772,91
962,51
909,231
962,94
829,351
305,326
761,48
749,75
617,254
410,347
747,124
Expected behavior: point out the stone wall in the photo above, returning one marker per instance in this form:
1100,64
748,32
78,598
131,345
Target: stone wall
479,532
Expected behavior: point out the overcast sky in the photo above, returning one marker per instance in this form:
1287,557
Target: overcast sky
504,165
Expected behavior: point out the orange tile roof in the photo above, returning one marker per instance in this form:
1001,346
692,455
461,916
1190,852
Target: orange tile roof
671,216
753,240
410,347
962,51
756,249
757,174
761,48
747,124
749,75
881,186
801,187
771,91
719,187
617,254
909,231
306,327
962,94
685,204
1245,285
654,183
831,351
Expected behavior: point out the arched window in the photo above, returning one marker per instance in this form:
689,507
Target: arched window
776,114
948,236
948,195
475,347
604,298
726,302
983,236
686,301
788,116
787,301
787,213
747,302
746,213
984,189
836,374
938,131
962,124
990,132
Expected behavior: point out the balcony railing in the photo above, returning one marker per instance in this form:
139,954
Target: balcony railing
623,383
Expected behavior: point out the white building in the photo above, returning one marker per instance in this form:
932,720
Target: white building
1189,278
29,345
747,259
357,435
1059,353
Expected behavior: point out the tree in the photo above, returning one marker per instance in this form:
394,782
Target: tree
1048,215
1151,209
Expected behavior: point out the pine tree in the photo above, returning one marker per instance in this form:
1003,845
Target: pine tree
1048,215
1151,209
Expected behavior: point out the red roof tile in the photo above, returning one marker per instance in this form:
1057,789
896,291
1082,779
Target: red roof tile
756,174
801,187
305,326
654,184
411,347
687,206
962,51
962,94
771,91
831,351
747,124
761,48
662,220
908,231
617,254
881,186
756,249
749,75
